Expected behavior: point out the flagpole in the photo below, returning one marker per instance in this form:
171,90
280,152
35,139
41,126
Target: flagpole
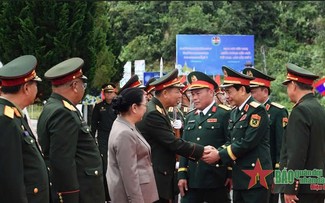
161,67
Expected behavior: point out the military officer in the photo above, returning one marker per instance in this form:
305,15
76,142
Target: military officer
102,120
157,129
150,89
71,153
248,149
207,125
23,175
260,90
304,137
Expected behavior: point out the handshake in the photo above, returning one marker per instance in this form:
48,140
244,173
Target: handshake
177,124
210,155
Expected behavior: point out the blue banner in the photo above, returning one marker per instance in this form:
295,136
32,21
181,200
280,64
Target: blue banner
148,75
208,53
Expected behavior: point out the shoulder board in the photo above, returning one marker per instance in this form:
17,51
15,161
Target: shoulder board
254,104
170,109
68,106
277,105
159,109
9,112
224,107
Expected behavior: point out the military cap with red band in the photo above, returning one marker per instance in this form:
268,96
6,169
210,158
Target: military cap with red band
232,77
295,73
132,82
19,71
149,88
168,80
66,71
261,79
199,80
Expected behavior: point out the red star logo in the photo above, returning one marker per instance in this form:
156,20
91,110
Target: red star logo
258,173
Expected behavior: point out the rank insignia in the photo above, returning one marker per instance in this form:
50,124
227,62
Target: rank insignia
255,120
212,120
284,121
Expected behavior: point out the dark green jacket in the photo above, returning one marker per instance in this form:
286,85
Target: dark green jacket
23,173
249,140
278,120
211,129
102,120
156,128
76,170
304,142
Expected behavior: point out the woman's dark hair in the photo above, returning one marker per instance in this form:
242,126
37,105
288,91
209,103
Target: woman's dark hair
126,98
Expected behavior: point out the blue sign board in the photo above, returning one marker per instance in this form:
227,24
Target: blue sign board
148,75
208,53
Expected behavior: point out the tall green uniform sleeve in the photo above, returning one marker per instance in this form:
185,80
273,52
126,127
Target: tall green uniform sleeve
297,143
156,124
253,136
64,135
280,124
12,186
94,120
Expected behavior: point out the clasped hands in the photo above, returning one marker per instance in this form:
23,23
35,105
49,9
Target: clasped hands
210,155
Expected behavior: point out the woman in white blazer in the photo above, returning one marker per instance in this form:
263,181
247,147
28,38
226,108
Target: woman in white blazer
129,172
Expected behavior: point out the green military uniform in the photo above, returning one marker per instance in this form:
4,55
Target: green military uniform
206,183
249,143
23,173
71,153
304,138
157,130
278,116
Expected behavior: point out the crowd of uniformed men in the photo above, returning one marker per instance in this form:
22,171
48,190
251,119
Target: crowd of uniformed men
206,138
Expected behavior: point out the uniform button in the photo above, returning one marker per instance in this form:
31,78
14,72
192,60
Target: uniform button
96,173
32,141
217,165
209,114
165,173
188,128
35,190
200,127
233,138
48,168
212,127
198,139
87,130
50,183
234,162
253,164
234,126
241,126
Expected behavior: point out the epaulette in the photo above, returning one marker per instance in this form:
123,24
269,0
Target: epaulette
254,104
68,106
160,110
9,112
277,105
171,109
224,107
